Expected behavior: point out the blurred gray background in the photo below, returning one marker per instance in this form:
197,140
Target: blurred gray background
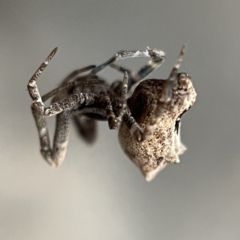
98,193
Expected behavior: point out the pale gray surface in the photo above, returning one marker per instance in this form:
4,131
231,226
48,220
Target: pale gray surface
97,193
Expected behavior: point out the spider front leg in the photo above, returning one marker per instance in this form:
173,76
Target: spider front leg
56,107
54,156
32,84
157,58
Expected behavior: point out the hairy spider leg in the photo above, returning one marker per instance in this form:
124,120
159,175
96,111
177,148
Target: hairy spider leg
174,71
67,82
32,84
126,115
157,58
123,97
56,156
62,105
86,127
63,110
132,125
167,92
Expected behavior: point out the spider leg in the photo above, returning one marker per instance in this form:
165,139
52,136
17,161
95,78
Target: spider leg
174,71
166,94
132,75
75,73
66,84
32,84
121,69
167,89
56,107
33,90
124,96
54,156
63,108
157,57
132,125
143,72
82,100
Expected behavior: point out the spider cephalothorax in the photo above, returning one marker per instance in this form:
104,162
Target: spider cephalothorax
149,119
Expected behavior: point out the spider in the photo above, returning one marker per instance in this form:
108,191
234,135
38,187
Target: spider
148,121
87,95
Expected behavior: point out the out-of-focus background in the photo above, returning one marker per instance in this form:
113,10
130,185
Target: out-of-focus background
98,193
